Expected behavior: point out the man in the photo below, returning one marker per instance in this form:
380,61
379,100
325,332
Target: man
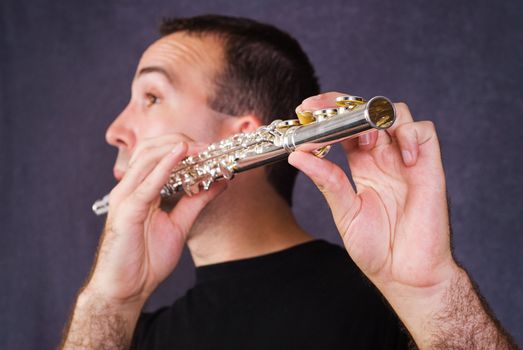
262,282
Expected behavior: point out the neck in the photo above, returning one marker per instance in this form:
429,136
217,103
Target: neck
245,221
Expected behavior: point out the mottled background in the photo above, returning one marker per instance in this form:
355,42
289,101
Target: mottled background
66,68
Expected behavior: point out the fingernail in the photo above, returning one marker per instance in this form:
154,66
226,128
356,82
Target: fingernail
407,157
364,139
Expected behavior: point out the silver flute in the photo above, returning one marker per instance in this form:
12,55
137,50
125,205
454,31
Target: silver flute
313,131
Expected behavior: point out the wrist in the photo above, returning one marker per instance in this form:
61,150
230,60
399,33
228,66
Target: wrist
418,286
126,293
91,296
419,306
99,322
413,296
92,303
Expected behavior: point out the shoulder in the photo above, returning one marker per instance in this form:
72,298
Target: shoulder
324,271
332,261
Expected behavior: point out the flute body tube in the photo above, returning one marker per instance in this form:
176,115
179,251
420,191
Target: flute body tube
312,131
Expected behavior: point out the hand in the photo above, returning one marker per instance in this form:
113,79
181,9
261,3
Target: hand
395,226
141,244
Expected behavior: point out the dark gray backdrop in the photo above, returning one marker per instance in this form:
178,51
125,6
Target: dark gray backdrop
66,68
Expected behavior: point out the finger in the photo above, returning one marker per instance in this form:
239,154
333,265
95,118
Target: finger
188,208
153,142
412,136
403,116
140,168
149,189
365,142
325,100
143,165
194,148
332,182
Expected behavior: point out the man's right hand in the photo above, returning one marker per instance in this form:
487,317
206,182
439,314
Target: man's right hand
141,244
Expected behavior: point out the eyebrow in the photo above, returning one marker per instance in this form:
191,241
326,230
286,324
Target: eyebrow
155,69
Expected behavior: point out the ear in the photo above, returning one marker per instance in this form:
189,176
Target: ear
245,123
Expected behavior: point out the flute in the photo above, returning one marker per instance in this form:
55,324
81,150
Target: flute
312,131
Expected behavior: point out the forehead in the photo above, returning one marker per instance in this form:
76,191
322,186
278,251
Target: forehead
185,56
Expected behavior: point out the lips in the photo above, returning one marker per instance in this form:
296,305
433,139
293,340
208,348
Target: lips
121,164
118,173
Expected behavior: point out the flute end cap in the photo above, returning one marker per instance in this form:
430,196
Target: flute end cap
101,206
381,112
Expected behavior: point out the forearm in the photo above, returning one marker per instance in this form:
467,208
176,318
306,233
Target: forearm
99,324
452,316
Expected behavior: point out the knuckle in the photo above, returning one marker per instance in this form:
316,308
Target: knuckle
124,207
405,129
145,186
138,197
407,133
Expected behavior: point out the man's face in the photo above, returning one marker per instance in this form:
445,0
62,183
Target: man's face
169,94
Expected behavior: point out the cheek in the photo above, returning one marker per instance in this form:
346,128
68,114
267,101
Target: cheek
204,131
160,126
197,122
198,127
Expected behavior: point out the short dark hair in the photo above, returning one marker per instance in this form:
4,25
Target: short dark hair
266,72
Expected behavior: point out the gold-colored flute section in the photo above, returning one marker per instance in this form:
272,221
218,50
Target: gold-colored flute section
313,131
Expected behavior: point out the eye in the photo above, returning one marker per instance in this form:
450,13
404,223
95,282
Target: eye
151,99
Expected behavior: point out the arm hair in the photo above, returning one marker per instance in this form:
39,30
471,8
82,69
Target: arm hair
467,322
97,325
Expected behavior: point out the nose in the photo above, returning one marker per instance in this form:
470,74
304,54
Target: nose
120,133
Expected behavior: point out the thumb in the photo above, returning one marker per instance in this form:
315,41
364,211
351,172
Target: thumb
187,209
332,181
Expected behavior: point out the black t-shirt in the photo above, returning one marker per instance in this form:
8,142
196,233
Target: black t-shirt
311,296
